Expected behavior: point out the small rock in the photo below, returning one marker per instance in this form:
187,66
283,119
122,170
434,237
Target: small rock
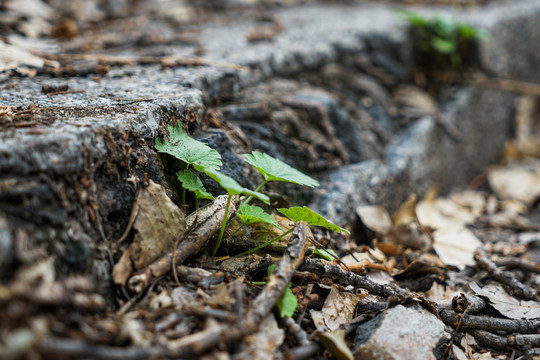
400,333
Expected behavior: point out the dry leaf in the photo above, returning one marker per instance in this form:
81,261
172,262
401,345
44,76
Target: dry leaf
375,218
338,308
318,320
334,341
406,213
159,223
456,247
507,305
405,236
518,181
453,242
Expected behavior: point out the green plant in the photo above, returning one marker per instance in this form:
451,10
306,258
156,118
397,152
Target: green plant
195,153
232,188
251,214
327,254
202,158
441,36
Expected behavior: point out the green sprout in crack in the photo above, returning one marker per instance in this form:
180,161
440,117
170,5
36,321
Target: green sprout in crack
200,157
441,36
194,153
233,188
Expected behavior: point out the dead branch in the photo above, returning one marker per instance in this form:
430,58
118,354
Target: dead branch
468,322
507,278
295,329
507,342
473,303
259,308
517,263
202,225
325,269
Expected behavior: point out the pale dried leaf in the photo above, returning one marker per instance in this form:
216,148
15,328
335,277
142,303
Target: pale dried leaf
338,308
507,305
456,247
406,213
406,236
318,320
134,329
375,218
159,223
445,214
518,181
474,201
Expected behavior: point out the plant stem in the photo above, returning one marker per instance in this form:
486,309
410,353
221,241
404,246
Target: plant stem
257,190
237,230
196,202
247,202
265,244
223,225
184,189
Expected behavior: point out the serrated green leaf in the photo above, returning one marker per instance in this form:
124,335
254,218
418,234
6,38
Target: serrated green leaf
287,303
326,254
231,185
191,182
276,170
180,145
311,217
250,214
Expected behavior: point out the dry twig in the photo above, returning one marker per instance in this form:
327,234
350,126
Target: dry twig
505,277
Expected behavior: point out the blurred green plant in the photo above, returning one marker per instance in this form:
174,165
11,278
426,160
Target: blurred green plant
438,36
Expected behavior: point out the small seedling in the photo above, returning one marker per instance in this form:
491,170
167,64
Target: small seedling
445,37
233,188
273,169
207,160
